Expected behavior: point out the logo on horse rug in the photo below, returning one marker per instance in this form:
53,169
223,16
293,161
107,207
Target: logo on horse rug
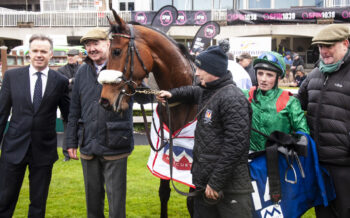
158,162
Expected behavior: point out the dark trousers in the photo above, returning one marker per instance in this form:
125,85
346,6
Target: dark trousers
232,205
340,207
99,172
11,179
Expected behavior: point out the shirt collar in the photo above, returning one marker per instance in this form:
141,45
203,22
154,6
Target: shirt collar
99,67
32,71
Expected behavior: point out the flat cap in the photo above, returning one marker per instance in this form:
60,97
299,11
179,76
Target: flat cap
73,52
94,34
331,34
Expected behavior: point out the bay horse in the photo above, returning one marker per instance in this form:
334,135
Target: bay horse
135,51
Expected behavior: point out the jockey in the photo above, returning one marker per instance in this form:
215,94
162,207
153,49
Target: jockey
273,108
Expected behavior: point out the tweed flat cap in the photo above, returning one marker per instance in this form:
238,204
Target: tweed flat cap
94,34
73,52
331,34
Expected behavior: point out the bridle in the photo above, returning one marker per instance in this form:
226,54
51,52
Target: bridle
132,49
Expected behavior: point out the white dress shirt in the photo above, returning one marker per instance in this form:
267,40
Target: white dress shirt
33,77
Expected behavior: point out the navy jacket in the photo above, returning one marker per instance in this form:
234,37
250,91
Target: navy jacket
95,130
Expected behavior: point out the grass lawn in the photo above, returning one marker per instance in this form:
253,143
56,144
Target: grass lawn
67,198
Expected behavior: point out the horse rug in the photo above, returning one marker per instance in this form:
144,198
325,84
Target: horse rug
183,141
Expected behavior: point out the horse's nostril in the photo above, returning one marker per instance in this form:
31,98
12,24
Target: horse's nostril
104,102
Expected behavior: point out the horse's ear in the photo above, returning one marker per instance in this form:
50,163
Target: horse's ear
119,20
109,21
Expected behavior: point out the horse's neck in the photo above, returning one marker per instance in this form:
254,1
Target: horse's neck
171,68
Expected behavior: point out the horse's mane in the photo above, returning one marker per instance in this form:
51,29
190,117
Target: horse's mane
116,29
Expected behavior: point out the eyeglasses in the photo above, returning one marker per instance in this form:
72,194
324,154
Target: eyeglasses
271,58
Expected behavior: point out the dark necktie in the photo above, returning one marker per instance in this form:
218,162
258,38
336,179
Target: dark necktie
38,92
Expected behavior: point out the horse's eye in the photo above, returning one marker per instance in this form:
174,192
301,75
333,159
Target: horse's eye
116,52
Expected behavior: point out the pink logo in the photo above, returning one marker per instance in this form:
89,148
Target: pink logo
200,17
181,18
166,18
141,17
210,31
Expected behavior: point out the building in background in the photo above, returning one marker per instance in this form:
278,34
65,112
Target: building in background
236,18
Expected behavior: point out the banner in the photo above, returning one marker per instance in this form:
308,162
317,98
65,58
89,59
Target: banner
183,17
289,16
204,35
164,18
255,46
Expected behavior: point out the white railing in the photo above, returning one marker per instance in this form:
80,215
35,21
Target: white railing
336,3
59,19
72,19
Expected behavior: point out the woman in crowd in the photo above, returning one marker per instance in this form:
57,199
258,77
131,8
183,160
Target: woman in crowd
273,108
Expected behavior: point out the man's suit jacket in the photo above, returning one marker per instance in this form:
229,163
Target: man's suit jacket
27,127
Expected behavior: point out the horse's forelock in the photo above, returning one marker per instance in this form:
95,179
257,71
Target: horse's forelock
115,29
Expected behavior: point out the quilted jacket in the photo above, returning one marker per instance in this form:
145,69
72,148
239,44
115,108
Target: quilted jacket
220,154
326,99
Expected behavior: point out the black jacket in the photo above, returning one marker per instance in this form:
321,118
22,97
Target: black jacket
96,130
220,154
327,101
27,128
69,71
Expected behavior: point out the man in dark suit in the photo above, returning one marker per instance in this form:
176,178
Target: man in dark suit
33,94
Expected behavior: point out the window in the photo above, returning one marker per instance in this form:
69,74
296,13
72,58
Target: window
122,6
131,6
317,3
286,4
259,4
341,3
226,4
202,5
223,4
240,4
158,4
183,4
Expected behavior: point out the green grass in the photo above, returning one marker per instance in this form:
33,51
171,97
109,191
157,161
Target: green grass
67,197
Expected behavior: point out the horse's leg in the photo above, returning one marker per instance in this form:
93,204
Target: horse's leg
164,195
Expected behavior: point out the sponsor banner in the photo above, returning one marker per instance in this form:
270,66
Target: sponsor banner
164,18
204,35
255,46
183,17
158,162
288,15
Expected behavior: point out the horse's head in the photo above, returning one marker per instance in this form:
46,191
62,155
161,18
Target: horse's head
129,62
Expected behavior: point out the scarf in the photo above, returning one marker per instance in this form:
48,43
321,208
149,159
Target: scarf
327,69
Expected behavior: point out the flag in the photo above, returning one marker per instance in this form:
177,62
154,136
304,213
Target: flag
204,35
164,18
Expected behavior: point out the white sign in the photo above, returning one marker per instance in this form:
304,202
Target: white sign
252,45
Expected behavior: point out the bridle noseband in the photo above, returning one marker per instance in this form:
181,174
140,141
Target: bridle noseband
130,55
